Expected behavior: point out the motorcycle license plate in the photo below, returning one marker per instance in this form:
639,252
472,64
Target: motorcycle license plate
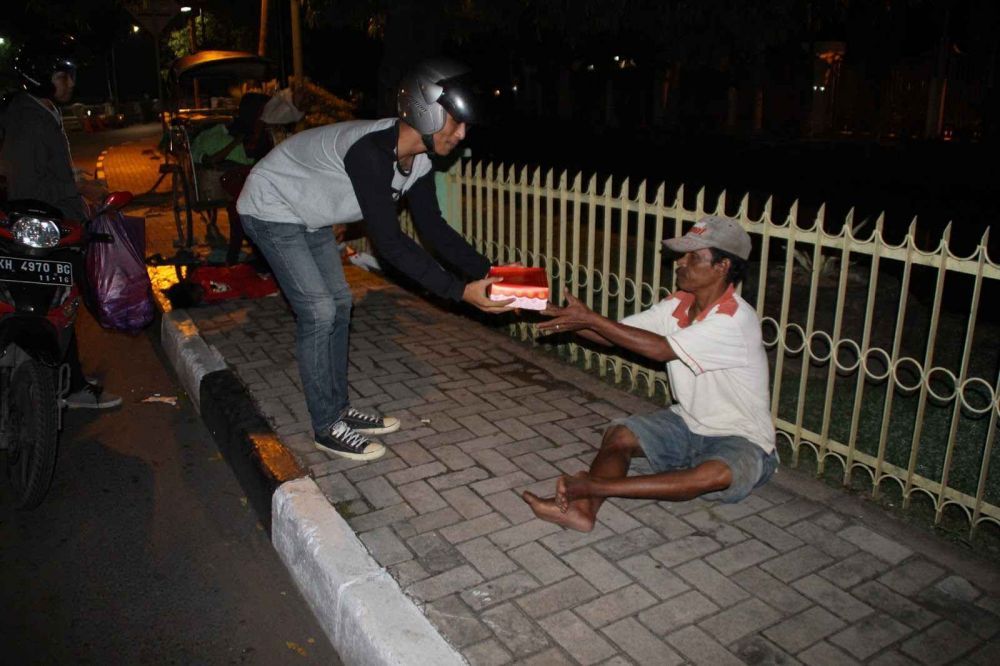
36,271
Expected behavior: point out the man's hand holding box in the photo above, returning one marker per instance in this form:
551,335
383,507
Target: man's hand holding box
529,287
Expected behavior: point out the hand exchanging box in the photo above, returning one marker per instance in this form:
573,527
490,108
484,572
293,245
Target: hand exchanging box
529,287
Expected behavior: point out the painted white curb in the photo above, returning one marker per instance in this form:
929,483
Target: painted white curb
363,611
361,608
190,355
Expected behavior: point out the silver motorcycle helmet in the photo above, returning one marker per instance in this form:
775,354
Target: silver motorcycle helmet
431,90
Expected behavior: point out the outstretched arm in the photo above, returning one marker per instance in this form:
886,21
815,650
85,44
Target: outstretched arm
449,245
452,247
371,176
578,318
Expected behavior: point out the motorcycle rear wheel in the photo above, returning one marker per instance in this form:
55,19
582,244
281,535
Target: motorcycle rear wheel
33,420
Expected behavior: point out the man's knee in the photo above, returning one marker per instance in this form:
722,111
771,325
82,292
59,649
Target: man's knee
619,439
715,475
319,313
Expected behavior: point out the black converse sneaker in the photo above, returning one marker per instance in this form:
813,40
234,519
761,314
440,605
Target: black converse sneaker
343,441
369,424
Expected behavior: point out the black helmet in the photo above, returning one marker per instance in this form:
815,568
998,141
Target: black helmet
39,59
429,90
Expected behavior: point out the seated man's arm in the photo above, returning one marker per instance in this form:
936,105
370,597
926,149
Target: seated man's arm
577,317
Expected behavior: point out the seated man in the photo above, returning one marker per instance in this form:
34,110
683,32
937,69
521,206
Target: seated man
241,142
717,441
233,149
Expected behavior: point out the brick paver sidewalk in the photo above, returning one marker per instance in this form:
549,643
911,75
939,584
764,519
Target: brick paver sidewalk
798,572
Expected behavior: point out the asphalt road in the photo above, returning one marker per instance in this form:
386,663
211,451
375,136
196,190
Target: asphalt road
145,550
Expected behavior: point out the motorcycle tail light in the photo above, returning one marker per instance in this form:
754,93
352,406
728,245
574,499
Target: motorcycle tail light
35,232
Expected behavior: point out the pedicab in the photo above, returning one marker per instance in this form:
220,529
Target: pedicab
204,86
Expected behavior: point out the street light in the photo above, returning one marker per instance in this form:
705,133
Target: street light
135,29
185,9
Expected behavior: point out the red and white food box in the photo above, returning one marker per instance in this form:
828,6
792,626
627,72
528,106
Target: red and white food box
528,286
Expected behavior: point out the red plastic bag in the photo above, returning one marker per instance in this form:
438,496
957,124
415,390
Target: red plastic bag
119,291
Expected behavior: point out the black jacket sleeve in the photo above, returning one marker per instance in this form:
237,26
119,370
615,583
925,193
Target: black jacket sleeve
371,175
436,232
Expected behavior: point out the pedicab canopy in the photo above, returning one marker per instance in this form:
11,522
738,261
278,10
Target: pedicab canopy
204,79
226,64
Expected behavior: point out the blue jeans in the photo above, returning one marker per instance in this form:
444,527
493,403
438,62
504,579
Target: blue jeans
308,269
669,445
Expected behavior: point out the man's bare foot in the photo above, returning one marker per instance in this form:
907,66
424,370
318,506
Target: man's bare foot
548,510
569,488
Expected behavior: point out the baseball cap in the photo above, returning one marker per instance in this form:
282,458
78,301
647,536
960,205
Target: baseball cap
722,233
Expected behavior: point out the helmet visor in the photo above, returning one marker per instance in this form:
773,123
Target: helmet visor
460,99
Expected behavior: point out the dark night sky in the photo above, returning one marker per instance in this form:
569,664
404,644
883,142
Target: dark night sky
905,175
346,58
104,30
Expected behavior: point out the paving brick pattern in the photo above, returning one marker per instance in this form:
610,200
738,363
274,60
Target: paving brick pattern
779,578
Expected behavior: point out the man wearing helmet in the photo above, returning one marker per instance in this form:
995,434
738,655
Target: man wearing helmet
36,155
36,160
343,173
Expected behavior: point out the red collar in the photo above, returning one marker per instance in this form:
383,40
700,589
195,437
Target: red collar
726,303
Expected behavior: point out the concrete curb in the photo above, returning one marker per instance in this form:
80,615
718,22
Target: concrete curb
191,357
259,460
362,609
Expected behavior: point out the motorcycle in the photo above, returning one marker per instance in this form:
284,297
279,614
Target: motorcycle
41,265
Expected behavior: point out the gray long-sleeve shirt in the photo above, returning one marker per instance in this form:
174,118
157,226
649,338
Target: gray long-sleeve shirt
35,155
344,172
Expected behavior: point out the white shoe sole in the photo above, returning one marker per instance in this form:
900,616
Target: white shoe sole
392,425
378,452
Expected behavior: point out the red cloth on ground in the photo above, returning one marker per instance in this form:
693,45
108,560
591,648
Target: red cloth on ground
222,283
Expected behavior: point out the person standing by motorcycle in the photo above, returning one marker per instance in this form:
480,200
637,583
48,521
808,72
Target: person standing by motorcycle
35,157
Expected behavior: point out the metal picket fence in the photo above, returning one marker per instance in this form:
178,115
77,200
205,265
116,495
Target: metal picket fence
884,356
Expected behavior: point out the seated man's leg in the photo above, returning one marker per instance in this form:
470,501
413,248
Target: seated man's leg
750,466
617,450
666,441
236,235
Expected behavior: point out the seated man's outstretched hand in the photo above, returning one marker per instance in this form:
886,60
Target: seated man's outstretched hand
476,294
572,317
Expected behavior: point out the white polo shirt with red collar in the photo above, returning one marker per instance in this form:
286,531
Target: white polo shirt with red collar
720,378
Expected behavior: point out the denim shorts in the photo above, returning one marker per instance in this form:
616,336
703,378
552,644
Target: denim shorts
670,445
